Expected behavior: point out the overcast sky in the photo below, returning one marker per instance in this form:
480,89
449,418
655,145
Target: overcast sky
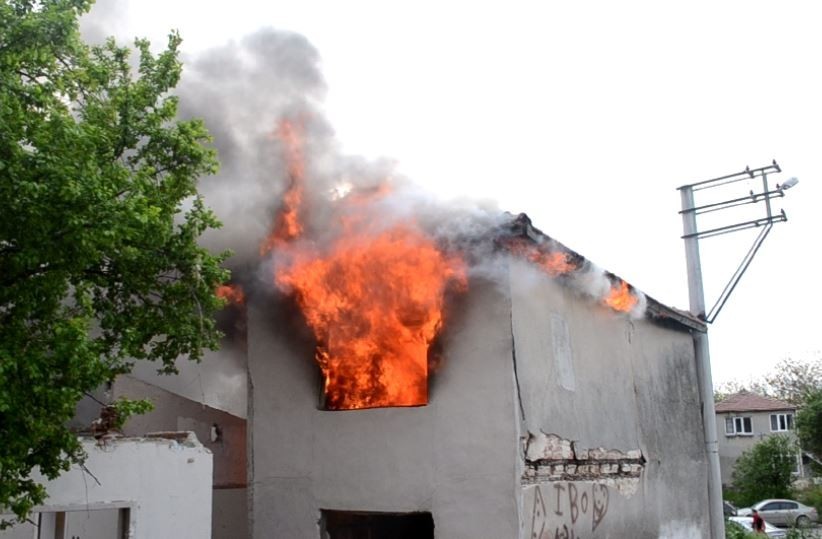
585,115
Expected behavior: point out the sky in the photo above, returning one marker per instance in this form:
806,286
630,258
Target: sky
587,116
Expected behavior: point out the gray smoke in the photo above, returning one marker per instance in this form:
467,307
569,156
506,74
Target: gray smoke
243,90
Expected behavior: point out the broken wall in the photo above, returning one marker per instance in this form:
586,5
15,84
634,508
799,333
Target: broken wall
163,485
222,433
611,431
455,457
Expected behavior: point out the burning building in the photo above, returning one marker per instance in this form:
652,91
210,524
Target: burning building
538,407
396,367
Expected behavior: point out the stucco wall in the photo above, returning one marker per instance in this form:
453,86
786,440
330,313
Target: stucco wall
220,432
455,457
602,380
165,485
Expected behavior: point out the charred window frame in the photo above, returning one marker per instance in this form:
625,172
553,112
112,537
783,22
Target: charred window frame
113,520
375,525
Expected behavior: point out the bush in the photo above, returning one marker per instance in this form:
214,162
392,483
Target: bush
812,497
800,533
765,471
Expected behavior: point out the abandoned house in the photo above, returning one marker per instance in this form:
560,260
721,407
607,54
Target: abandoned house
545,415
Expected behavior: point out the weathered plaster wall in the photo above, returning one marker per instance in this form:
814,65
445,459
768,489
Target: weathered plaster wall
604,381
455,457
229,518
164,483
220,432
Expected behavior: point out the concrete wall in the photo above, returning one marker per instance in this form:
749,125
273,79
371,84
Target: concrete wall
600,394
229,518
731,447
455,457
164,484
220,432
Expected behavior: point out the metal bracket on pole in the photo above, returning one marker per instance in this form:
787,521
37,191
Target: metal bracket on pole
691,234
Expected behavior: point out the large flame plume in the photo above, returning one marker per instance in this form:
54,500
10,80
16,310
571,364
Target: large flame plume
374,296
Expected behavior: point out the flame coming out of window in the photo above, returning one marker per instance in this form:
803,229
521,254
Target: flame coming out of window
373,296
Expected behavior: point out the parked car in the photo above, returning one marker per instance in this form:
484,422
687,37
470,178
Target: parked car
747,524
782,512
728,509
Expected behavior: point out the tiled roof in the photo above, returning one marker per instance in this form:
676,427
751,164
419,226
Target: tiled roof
745,401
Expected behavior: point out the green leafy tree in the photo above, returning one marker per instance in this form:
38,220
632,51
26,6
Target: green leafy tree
765,470
809,423
99,220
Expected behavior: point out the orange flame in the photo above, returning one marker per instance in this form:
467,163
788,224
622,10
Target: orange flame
553,263
232,293
287,224
620,298
375,305
374,300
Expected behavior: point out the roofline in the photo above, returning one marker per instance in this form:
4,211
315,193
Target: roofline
655,311
750,410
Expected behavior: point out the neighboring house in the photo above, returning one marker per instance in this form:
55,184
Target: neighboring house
745,418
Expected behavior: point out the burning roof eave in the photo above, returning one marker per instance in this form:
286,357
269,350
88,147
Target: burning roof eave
655,311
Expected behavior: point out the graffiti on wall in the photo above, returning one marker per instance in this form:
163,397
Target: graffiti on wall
567,510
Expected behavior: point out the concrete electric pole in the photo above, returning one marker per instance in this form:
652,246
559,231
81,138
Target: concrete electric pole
696,295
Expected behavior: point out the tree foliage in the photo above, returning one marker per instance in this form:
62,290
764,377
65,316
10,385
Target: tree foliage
790,381
99,261
793,381
765,470
809,423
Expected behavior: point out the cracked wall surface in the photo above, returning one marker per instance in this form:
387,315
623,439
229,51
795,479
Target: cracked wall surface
549,457
611,439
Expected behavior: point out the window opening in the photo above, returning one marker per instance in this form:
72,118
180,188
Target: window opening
371,525
110,523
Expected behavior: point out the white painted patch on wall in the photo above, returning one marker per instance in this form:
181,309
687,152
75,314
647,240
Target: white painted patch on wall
563,356
679,529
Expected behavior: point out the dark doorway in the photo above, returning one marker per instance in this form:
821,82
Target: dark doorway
365,525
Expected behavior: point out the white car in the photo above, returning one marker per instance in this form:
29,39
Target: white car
782,512
770,530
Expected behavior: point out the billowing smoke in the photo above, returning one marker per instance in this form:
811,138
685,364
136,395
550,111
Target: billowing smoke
244,90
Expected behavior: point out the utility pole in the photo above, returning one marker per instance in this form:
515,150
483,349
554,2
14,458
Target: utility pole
696,296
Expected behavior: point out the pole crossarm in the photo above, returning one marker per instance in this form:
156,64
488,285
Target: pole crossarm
747,174
763,221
